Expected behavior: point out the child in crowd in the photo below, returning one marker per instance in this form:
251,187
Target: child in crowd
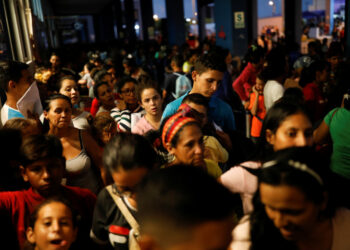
105,97
257,107
52,225
149,96
26,126
42,165
103,129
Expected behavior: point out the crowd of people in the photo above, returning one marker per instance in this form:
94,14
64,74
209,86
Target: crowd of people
149,150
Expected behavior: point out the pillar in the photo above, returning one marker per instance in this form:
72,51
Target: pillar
232,25
175,22
147,17
292,20
129,19
347,29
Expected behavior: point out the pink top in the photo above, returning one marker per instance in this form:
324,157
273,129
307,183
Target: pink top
239,180
245,81
142,127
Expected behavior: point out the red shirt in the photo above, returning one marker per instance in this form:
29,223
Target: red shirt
314,100
245,81
18,205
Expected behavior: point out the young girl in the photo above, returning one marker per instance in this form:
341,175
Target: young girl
285,125
128,158
52,225
293,208
149,96
67,86
257,107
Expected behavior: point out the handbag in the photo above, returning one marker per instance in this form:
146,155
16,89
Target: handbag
135,232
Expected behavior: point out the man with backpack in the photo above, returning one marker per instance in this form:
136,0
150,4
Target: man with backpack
176,83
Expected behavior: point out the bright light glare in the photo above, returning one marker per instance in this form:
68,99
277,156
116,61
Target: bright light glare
188,19
155,17
137,26
194,21
271,3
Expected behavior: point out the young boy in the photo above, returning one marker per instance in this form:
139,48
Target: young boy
257,107
42,165
208,73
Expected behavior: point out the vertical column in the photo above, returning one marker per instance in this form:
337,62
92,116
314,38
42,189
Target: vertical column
292,20
232,25
175,21
201,19
129,19
253,31
118,16
347,29
147,17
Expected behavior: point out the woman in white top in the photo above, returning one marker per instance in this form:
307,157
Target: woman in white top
293,208
68,86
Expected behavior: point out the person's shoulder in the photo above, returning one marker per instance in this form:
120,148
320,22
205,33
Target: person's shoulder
172,107
241,235
79,192
216,101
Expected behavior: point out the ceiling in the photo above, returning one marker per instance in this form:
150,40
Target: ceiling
78,7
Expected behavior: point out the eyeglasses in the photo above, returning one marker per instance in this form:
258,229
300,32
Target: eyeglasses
127,192
128,91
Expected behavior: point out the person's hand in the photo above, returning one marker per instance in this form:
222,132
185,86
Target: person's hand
246,105
121,105
255,90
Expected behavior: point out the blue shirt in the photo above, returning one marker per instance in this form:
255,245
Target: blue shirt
219,112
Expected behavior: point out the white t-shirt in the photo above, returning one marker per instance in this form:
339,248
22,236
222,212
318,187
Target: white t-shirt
273,91
8,113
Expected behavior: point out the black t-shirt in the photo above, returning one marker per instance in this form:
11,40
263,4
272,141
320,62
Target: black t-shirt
109,226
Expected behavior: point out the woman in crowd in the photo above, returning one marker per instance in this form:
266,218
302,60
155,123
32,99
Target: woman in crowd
128,158
293,207
182,137
79,148
335,126
149,96
285,125
52,225
126,105
68,86
246,80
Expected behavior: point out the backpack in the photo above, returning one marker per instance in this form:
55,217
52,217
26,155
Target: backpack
182,85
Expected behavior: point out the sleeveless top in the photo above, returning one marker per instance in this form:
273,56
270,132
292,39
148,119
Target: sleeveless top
81,173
